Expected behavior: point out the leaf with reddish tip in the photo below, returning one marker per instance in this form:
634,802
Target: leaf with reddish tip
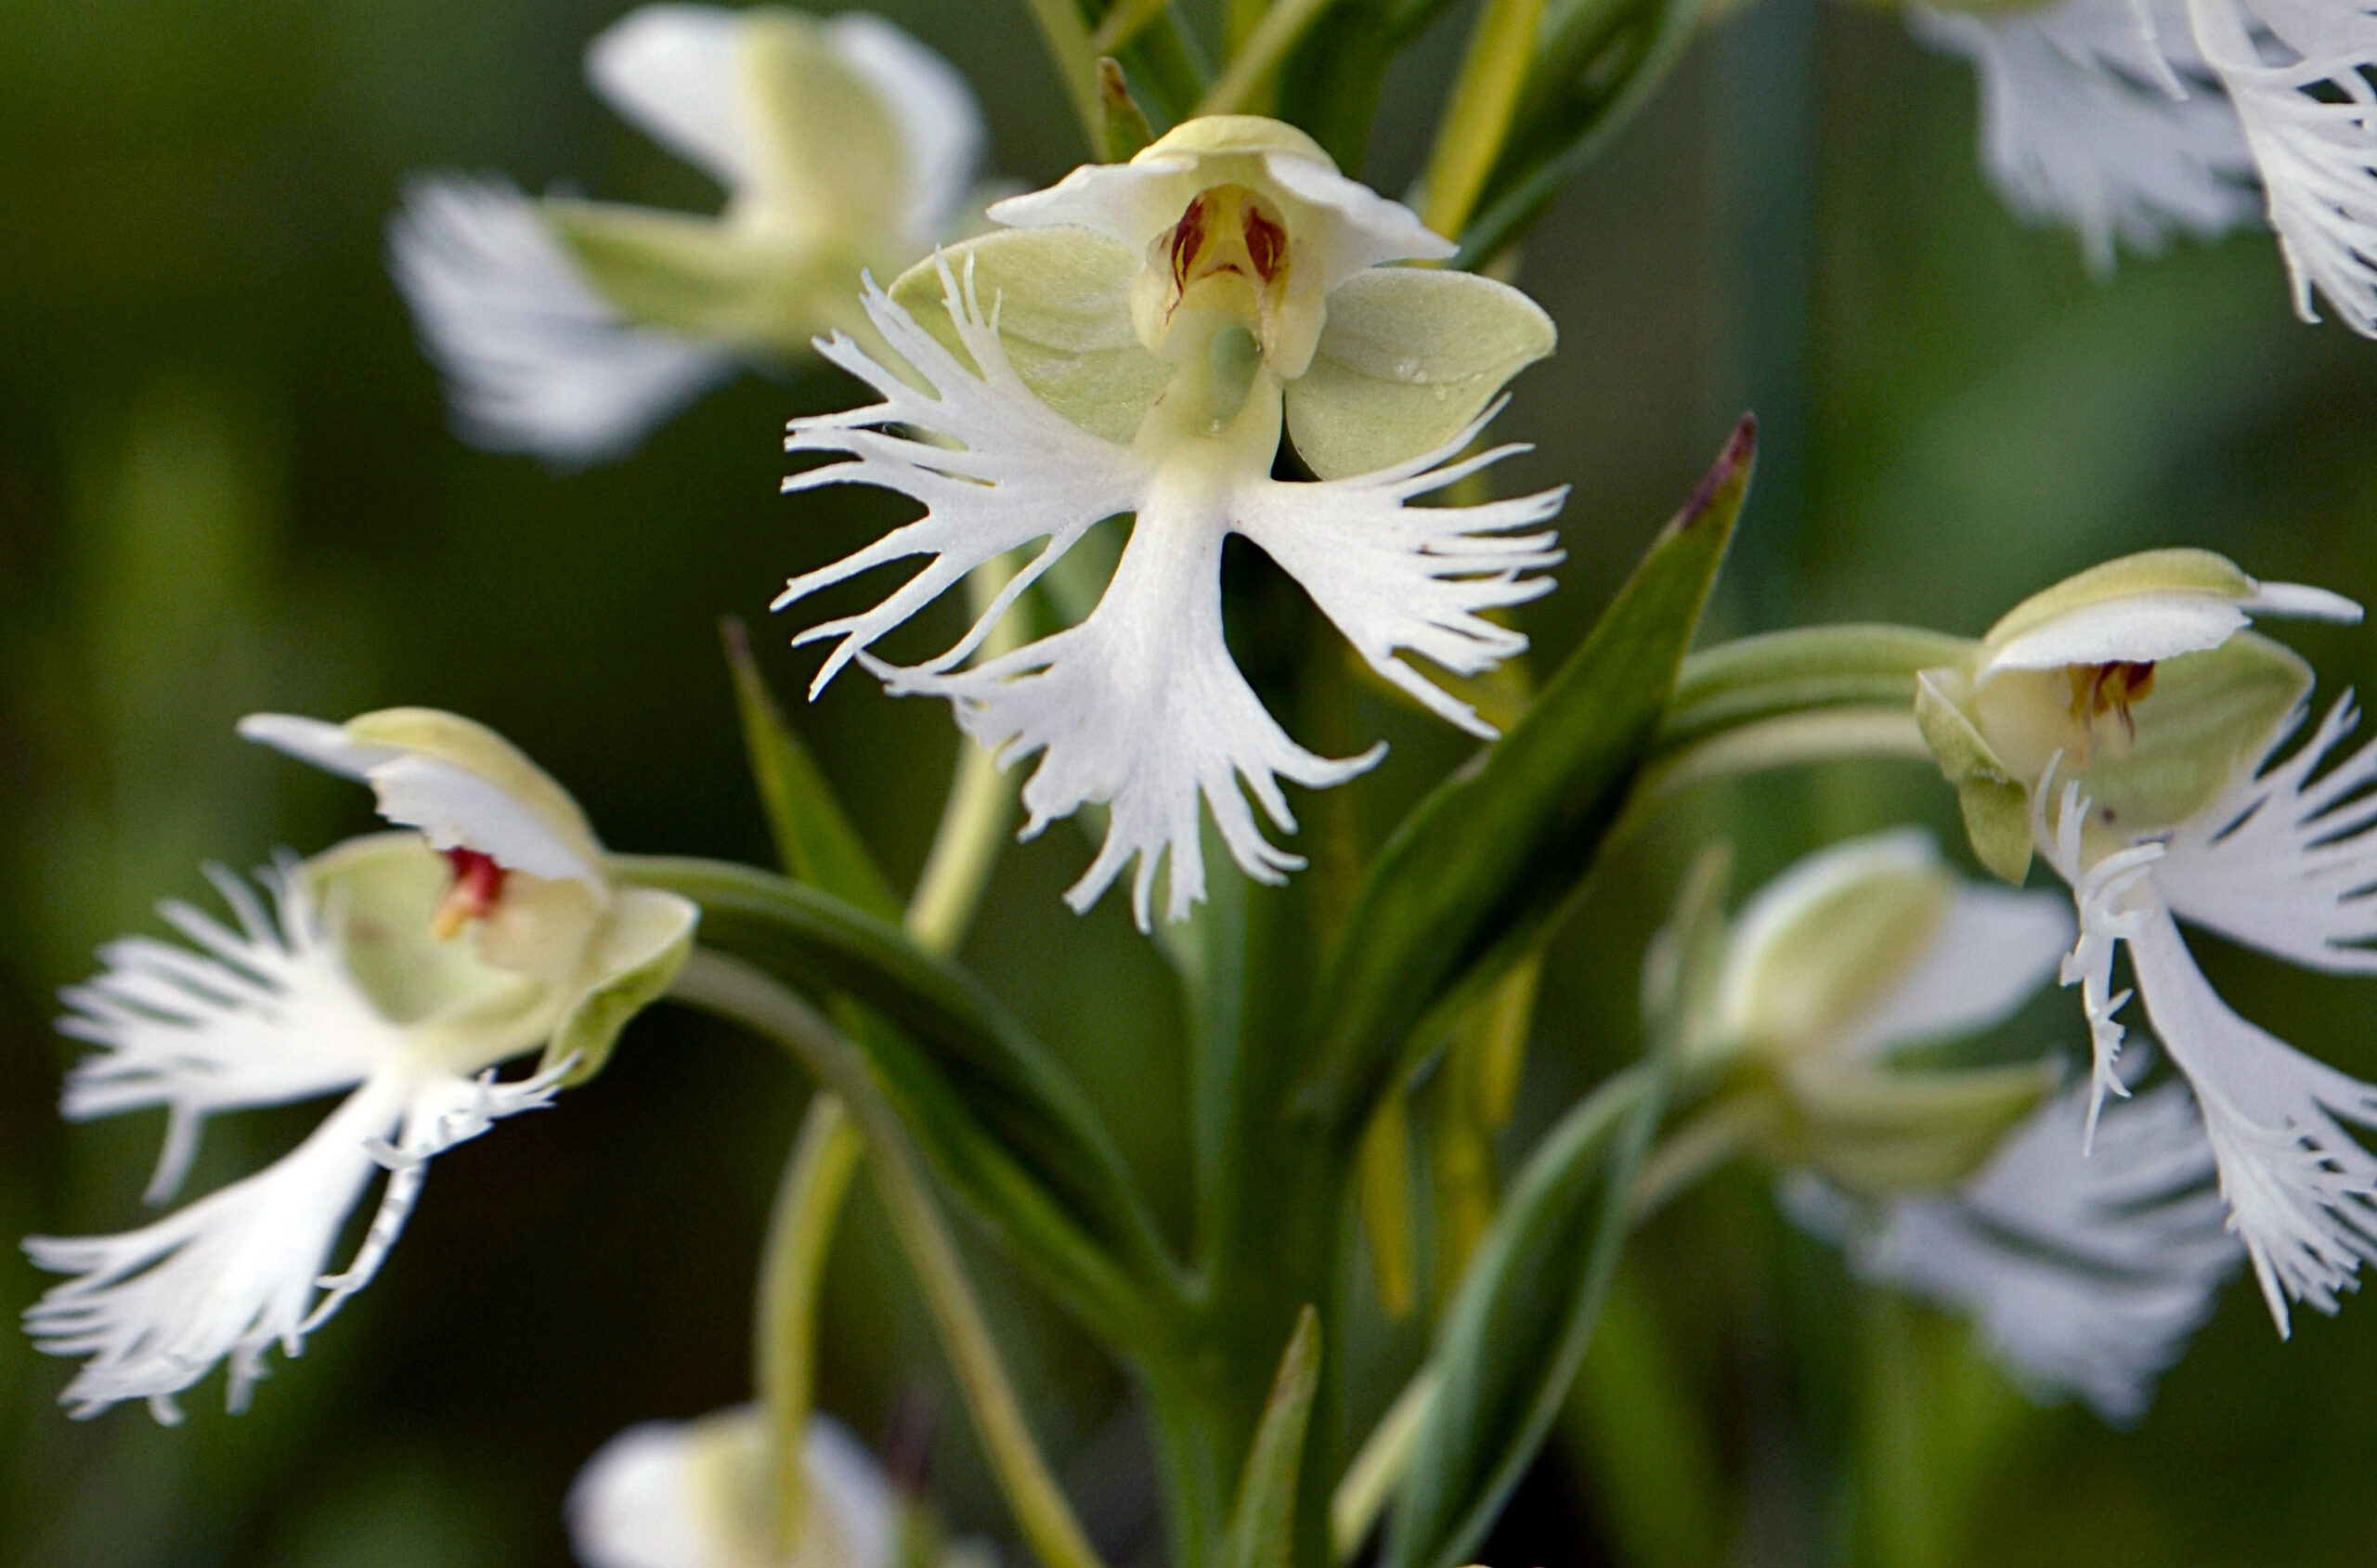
1482,868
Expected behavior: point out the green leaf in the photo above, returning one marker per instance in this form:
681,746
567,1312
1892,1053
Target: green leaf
1515,1334
1126,127
813,836
1262,1527
1482,867
999,1117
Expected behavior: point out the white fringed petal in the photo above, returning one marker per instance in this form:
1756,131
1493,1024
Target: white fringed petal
535,360
2085,1274
240,1270
694,1495
264,1015
1392,576
2302,1191
1141,706
2284,864
2294,70
2086,122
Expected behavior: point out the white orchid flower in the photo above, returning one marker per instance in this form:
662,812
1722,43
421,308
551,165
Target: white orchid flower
2085,1273
1854,956
402,969
696,1494
2134,117
568,329
2142,727
1137,346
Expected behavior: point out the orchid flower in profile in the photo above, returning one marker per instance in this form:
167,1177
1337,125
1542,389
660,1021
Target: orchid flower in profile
1139,343
568,328
2131,118
696,1494
2126,726
402,969
1965,1185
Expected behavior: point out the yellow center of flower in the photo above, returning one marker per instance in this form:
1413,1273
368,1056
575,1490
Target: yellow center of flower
2100,689
1224,263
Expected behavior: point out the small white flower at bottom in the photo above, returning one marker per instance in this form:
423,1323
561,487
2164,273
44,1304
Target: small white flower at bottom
696,1494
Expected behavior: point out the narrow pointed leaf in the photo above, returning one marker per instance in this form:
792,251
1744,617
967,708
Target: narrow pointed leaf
1262,1525
1517,1332
813,836
999,1117
1480,869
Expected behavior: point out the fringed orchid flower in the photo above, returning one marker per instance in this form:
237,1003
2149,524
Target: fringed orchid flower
402,969
2129,729
1965,1185
568,328
1139,343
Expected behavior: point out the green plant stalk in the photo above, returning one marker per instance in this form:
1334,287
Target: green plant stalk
745,994
981,805
1477,115
800,1233
1377,1468
1066,37
1239,87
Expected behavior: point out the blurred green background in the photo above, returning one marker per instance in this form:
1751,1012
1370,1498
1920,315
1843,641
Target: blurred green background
226,484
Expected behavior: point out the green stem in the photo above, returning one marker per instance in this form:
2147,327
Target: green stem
745,994
1235,91
1782,672
981,805
800,1232
1069,48
1477,115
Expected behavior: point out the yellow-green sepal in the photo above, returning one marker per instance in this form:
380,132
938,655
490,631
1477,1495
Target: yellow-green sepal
641,944
1995,805
1409,356
2150,572
1061,298
708,279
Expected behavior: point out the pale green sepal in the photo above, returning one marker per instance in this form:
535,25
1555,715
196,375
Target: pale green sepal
828,152
1408,359
720,282
1883,1131
473,748
1061,298
1996,806
641,945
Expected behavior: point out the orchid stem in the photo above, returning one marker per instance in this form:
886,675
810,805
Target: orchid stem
747,995
1068,39
981,805
800,1233
1235,91
1477,115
